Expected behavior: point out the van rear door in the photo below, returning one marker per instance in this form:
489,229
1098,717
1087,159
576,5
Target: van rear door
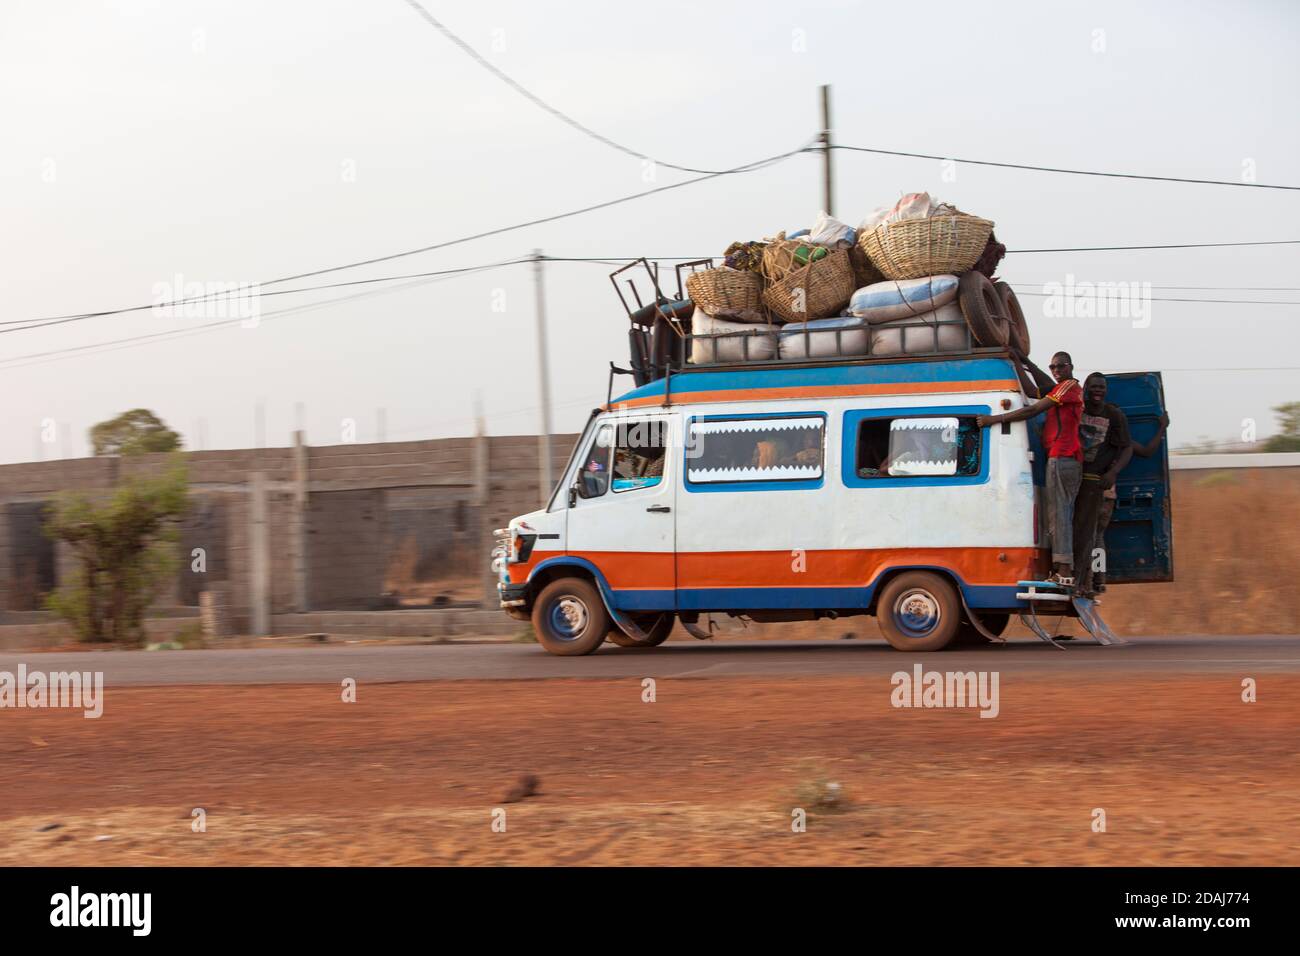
1139,541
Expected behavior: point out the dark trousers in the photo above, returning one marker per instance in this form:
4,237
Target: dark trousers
1087,510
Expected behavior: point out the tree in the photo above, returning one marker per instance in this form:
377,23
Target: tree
125,548
1288,439
133,433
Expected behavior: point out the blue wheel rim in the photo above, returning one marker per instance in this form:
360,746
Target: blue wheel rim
568,618
917,613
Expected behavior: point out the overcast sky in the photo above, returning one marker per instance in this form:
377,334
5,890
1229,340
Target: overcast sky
240,141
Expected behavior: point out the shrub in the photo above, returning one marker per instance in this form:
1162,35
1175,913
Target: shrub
125,548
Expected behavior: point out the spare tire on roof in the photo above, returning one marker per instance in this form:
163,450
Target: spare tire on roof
1019,337
983,310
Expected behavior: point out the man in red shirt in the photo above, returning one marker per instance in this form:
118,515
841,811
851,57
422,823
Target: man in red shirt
1063,404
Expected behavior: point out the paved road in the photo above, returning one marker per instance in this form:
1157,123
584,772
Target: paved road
387,663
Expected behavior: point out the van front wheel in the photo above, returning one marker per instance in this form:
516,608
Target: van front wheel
919,611
569,617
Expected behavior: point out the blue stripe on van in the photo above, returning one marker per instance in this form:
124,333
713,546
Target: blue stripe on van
790,599
890,373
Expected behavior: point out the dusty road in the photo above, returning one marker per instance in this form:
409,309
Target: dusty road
723,658
712,771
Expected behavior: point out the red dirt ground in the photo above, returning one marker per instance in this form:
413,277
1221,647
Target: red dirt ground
709,773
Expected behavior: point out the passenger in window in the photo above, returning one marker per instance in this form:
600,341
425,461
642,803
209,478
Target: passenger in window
766,454
906,448
639,458
873,450
1063,406
594,477
809,452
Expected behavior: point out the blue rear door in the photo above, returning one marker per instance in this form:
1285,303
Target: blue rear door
1139,541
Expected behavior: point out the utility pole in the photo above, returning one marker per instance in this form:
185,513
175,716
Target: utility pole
828,193
544,377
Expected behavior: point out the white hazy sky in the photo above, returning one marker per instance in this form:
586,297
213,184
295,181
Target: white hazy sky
214,140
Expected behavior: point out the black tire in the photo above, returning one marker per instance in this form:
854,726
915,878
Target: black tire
656,626
1018,328
569,617
994,623
919,611
982,307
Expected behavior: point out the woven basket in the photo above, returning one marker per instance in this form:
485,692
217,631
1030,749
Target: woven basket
779,257
726,290
864,273
914,248
822,288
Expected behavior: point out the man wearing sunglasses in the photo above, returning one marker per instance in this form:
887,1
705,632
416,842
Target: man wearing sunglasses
1063,404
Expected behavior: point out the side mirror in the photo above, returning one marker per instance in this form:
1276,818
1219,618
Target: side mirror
573,495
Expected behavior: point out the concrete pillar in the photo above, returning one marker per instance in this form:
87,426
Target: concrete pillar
214,611
259,558
482,507
298,525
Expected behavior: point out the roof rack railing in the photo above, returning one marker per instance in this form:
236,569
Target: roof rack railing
712,347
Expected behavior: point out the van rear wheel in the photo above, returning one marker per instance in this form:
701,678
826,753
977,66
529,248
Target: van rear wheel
919,611
657,627
569,617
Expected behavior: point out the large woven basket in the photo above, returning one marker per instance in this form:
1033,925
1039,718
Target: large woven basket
813,291
724,290
914,248
779,257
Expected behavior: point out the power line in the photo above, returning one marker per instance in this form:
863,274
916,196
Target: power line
213,295
1054,169
749,167
1178,245
20,325
113,345
541,103
1156,298
1196,288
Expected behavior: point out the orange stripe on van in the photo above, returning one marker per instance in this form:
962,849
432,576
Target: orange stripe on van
634,570
819,391
849,567
657,570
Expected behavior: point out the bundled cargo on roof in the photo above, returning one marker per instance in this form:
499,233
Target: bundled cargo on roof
913,278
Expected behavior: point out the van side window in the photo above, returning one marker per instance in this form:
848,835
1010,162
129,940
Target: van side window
639,454
593,476
914,447
755,449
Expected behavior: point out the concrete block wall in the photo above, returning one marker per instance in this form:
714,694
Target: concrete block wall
346,534
359,499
